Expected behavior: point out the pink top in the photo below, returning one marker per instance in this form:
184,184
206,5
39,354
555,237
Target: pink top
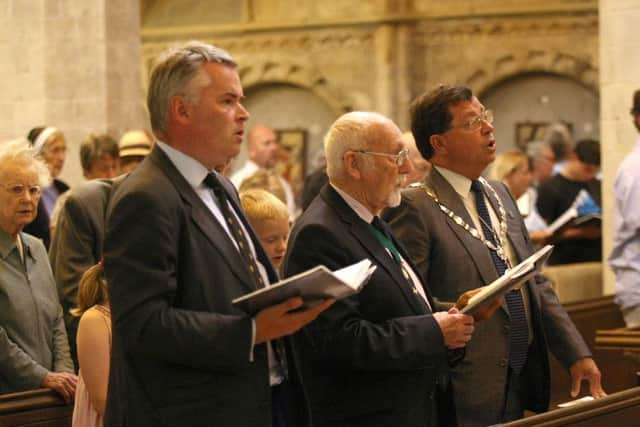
84,414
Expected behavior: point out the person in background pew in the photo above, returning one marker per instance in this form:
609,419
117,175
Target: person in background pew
94,348
34,351
48,144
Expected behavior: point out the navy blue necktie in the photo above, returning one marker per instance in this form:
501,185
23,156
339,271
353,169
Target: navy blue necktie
519,342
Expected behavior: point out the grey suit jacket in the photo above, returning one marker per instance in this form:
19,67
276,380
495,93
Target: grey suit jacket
181,351
451,262
372,359
77,241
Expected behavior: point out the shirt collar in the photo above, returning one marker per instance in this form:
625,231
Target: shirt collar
357,207
191,169
8,245
461,184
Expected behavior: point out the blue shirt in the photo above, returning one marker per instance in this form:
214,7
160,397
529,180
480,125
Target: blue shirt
625,256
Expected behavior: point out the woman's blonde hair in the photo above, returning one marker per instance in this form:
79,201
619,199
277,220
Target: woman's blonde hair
92,290
264,180
507,163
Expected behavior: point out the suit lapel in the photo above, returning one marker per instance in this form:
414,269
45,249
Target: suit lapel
478,252
378,254
204,219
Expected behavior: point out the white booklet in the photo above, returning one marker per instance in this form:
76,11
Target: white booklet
511,279
314,286
572,215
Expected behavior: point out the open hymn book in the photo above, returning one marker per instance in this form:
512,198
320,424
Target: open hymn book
313,286
511,279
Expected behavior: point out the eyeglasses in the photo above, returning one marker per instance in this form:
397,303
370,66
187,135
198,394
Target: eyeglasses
19,189
399,158
476,122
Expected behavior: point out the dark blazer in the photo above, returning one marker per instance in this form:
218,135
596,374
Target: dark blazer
39,227
371,359
451,262
77,243
181,352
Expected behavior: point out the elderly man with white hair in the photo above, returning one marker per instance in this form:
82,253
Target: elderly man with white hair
378,358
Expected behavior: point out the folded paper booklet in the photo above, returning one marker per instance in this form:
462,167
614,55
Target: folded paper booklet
583,211
511,279
314,285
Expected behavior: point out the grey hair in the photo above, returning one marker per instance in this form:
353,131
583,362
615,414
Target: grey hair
18,150
537,149
178,72
351,131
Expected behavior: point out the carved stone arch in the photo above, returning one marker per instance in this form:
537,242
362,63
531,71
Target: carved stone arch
534,61
255,72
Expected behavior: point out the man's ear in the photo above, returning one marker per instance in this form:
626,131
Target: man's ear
438,144
350,162
179,109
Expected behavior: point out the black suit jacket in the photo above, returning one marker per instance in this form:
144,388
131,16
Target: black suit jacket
371,359
181,351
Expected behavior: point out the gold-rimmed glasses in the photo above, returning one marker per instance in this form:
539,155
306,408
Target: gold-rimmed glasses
398,158
476,122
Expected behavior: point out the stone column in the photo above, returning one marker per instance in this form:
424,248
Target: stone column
71,64
619,77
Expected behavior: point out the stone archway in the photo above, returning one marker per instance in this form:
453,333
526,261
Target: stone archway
533,61
257,72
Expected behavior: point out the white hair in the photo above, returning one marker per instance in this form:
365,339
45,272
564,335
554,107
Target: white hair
20,150
351,131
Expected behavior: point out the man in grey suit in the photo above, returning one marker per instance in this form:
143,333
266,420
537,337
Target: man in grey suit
177,250
76,243
378,358
462,232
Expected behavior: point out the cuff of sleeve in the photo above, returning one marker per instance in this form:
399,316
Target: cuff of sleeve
39,372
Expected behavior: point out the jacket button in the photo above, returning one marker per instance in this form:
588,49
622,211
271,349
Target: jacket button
503,362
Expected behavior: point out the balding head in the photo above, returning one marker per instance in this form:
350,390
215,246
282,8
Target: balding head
362,159
262,146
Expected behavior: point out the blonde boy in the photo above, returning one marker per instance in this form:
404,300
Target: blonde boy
269,217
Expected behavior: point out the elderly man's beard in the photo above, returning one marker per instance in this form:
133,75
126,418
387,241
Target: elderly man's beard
395,197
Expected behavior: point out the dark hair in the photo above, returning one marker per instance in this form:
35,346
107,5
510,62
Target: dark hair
588,151
430,114
635,109
33,133
94,147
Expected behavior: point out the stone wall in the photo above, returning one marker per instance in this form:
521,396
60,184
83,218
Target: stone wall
378,55
71,64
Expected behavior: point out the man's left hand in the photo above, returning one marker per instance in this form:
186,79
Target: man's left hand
586,369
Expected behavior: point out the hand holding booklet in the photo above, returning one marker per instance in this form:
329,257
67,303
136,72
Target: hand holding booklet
313,286
511,279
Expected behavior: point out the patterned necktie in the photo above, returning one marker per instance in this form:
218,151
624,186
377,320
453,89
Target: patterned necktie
385,238
245,251
519,330
236,230
385,230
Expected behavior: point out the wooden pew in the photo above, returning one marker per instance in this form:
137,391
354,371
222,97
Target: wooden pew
34,408
618,409
618,373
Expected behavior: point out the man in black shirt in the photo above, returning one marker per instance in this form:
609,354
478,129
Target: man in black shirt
575,243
